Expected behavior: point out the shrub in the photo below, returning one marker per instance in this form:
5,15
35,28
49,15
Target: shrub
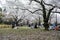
5,26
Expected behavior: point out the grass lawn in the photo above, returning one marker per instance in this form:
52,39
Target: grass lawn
26,33
21,30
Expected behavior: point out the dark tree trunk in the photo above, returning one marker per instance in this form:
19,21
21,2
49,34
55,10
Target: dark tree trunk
35,26
46,25
39,22
45,14
17,23
46,17
27,22
13,24
28,25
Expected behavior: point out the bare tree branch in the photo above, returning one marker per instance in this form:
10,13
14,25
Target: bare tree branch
50,12
51,5
32,11
39,10
44,10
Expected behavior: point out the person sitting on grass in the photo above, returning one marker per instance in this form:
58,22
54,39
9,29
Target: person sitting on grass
57,28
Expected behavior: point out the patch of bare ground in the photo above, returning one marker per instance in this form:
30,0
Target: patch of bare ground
30,35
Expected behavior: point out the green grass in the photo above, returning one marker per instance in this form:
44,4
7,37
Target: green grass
21,30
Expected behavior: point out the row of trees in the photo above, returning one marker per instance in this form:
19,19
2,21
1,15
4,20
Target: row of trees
45,11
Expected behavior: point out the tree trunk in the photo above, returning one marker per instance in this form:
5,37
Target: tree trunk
46,25
13,24
35,26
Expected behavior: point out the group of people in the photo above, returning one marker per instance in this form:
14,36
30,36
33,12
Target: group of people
54,27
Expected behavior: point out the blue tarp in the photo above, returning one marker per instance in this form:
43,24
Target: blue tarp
52,26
